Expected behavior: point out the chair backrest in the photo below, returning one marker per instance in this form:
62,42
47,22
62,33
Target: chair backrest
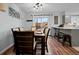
46,33
23,42
15,29
44,30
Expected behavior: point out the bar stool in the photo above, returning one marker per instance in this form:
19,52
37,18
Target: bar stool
60,36
56,34
67,38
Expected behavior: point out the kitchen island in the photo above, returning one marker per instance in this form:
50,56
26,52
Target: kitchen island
72,31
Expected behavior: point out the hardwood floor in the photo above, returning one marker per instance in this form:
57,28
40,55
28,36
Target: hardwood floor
54,48
10,51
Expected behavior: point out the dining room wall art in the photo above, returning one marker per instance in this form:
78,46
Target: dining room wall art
14,13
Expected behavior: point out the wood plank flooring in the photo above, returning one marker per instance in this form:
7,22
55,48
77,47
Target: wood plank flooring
54,48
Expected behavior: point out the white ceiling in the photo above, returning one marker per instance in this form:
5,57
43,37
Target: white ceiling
48,7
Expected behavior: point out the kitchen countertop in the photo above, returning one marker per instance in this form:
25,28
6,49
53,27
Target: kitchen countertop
65,27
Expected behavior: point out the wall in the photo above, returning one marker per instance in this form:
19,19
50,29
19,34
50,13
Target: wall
6,23
27,16
26,24
50,21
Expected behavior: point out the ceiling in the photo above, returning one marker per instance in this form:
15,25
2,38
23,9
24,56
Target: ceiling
48,7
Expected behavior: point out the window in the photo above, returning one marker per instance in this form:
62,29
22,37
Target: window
40,22
34,20
75,19
44,19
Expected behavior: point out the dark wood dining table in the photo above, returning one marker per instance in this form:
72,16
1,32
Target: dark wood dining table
42,36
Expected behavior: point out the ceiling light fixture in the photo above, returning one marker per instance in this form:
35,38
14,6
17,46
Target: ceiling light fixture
38,6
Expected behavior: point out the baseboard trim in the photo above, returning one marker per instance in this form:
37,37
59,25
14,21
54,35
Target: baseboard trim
4,50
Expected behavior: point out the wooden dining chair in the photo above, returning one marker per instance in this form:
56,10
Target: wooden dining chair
38,40
24,42
46,37
15,29
46,32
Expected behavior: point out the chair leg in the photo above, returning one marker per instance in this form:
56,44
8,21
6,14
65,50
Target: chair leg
64,39
35,49
70,41
46,48
70,44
